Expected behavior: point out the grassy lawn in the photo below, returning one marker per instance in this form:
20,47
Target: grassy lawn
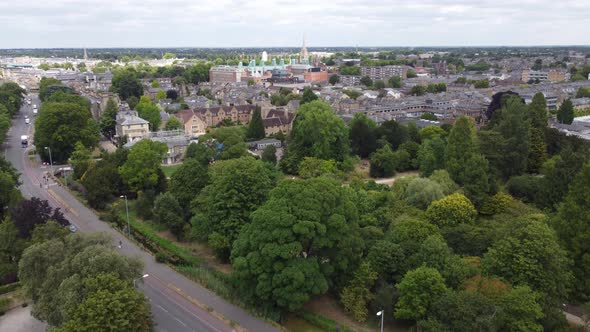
169,170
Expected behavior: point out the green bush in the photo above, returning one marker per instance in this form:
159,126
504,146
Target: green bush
495,204
9,287
175,254
4,304
451,210
161,258
525,187
321,321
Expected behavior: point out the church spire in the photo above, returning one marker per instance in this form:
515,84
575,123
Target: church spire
303,56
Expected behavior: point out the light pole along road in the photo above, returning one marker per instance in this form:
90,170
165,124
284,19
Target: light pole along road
173,298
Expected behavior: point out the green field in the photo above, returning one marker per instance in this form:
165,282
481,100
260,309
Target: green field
169,170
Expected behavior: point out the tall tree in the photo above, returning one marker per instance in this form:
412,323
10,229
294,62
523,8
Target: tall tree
126,84
530,255
270,154
29,213
395,82
200,152
394,133
173,124
304,239
362,133
237,188
140,171
431,155
150,112
565,113
461,311
80,160
108,117
188,181
573,228
462,146
334,79
168,212
256,126
514,128
356,296
57,273
317,132
109,302
308,96
60,125
418,290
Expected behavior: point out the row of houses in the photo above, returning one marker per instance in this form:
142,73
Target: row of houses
196,121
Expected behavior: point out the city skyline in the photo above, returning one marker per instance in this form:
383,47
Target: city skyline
226,23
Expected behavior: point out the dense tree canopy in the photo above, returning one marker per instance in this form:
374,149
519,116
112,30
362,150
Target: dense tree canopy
142,169
237,188
76,280
461,147
565,113
126,84
573,228
317,132
530,255
148,111
188,181
418,290
60,125
363,136
107,119
256,126
301,241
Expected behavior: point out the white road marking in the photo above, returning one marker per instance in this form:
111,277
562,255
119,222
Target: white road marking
181,322
159,306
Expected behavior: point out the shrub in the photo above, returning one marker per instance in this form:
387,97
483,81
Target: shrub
421,192
161,258
175,254
525,187
9,287
495,204
321,322
451,210
4,304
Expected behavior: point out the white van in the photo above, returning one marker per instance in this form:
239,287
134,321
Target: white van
34,106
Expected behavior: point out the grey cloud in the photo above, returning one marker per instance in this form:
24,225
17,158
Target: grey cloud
103,23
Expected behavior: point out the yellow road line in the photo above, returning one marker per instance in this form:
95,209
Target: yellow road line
67,207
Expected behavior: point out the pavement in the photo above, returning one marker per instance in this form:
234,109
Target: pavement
177,302
19,319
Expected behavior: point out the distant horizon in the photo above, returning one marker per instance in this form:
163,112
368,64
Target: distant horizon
299,46
41,24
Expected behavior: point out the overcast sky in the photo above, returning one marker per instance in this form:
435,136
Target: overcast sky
252,23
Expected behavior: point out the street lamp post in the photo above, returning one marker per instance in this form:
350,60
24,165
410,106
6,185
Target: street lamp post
381,313
50,159
142,277
127,210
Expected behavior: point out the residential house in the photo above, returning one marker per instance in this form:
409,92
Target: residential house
129,124
278,120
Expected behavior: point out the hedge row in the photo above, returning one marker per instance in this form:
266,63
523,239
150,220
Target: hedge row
322,322
166,250
9,287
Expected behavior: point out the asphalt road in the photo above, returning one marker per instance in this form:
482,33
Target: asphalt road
171,295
